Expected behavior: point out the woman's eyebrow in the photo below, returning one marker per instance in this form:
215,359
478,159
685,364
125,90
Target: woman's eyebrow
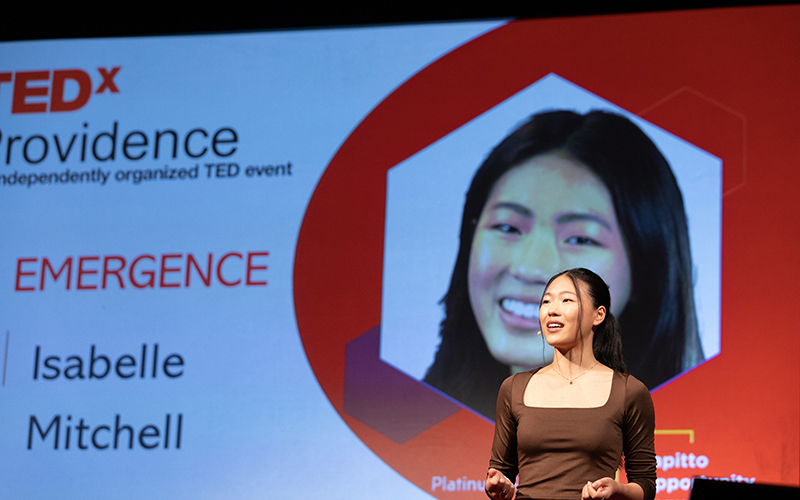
582,217
515,207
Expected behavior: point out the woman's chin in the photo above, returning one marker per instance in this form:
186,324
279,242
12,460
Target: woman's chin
517,348
525,363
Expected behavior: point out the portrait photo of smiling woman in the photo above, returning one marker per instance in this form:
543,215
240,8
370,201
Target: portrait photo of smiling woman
567,190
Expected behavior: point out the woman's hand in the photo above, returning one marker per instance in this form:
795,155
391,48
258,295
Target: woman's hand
607,488
498,486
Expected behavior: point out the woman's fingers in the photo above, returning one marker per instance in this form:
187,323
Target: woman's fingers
493,478
498,486
588,491
602,488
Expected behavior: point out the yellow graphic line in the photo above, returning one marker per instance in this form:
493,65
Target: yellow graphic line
672,432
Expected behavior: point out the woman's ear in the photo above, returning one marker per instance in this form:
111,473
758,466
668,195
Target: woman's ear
599,315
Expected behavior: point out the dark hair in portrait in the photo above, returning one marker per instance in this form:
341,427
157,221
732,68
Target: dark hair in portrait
658,323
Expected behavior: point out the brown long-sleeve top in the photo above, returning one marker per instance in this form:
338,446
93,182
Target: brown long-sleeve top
556,451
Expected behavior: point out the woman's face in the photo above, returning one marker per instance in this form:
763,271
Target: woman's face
567,319
549,214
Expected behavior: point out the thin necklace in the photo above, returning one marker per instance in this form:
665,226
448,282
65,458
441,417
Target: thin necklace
571,380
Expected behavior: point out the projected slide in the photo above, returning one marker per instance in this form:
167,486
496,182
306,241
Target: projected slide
224,257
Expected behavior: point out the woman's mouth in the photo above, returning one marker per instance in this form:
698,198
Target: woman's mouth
519,308
519,315
554,325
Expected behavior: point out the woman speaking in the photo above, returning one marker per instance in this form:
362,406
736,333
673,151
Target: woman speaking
567,427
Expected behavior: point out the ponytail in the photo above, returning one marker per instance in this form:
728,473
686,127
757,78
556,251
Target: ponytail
607,345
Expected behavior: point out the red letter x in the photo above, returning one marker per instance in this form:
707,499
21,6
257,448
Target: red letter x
108,80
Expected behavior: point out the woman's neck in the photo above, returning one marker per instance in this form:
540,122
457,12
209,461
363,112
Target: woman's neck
573,362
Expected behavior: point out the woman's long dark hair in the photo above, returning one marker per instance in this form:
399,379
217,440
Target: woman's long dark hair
659,325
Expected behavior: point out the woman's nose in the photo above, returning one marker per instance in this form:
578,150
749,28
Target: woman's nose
536,256
548,310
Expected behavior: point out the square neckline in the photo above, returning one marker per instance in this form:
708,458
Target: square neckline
608,399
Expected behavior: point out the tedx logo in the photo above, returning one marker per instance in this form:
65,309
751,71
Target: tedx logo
54,91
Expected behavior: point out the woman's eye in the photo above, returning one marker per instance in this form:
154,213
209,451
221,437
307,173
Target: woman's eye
582,241
506,228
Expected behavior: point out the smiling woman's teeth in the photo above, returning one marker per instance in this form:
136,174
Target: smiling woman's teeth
519,308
